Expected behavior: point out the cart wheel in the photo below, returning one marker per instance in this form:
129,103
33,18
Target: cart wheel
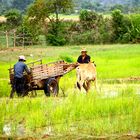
51,87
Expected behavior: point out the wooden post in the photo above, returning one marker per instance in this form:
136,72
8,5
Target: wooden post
7,40
23,41
14,38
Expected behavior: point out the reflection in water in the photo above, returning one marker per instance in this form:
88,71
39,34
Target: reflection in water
113,90
20,130
7,129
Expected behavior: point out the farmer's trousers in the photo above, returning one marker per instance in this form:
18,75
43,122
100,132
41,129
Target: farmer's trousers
19,85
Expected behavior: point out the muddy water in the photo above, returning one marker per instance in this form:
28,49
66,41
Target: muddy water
76,137
20,130
21,133
113,90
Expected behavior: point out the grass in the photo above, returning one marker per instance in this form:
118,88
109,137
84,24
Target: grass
73,17
76,114
114,109
113,61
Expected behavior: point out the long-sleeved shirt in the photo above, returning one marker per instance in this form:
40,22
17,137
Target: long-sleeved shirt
85,60
19,69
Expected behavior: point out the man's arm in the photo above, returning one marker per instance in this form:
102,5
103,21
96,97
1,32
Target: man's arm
88,58
27,70
79,59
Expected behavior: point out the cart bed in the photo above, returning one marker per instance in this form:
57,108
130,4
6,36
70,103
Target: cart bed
44,71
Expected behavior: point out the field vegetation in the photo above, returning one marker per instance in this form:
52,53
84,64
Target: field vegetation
58,30
108,112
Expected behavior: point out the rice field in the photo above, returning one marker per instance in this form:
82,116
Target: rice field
110,112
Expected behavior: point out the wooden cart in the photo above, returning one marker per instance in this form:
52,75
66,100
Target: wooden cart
43,77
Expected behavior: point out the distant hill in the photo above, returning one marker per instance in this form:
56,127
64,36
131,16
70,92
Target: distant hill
18,4
112,2
97,5
107,5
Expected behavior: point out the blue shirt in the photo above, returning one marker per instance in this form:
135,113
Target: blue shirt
19,69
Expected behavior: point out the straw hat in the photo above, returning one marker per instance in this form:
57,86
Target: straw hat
22,57
84,50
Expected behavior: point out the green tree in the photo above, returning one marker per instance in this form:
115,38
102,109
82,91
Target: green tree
135,30
43,11
121,26
29,32
90,19
117,6
56,34
14,19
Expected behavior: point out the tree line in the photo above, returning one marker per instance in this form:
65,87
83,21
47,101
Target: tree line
129,6
21,5
42,19
109,5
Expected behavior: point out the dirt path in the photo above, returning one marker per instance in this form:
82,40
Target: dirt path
78,137
129,79
120,80
11,49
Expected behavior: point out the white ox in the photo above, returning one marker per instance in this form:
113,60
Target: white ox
86,73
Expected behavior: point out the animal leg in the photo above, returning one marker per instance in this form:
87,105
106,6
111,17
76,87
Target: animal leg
95,83
78,85
85,86
88,85
82,85
78,79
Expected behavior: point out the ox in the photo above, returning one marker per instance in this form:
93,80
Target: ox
86,73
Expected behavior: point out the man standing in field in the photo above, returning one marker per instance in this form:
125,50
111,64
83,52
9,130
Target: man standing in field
83,58
86,71
19,80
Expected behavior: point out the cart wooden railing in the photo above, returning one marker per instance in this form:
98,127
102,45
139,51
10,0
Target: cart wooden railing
31,64
49,70
43,73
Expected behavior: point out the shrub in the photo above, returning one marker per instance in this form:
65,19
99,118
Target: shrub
86,37
14,18
121,26
66,58
135,30
56,34
28,33
89,19
92,29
